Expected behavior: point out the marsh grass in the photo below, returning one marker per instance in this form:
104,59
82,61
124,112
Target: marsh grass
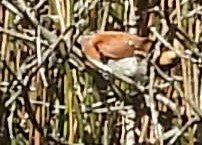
50,96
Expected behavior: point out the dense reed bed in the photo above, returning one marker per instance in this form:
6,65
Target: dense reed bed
50,95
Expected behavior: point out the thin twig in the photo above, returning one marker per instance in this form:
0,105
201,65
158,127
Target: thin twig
183,129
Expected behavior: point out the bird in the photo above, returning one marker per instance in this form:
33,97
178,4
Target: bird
124,53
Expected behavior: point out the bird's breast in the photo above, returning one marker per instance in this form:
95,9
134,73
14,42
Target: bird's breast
130,66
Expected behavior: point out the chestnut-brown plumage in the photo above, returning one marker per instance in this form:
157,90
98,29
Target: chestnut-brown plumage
114,44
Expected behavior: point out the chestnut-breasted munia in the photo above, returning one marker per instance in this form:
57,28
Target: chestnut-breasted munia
122,52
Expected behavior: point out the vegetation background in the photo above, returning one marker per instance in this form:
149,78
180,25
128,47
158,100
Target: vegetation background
50,96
